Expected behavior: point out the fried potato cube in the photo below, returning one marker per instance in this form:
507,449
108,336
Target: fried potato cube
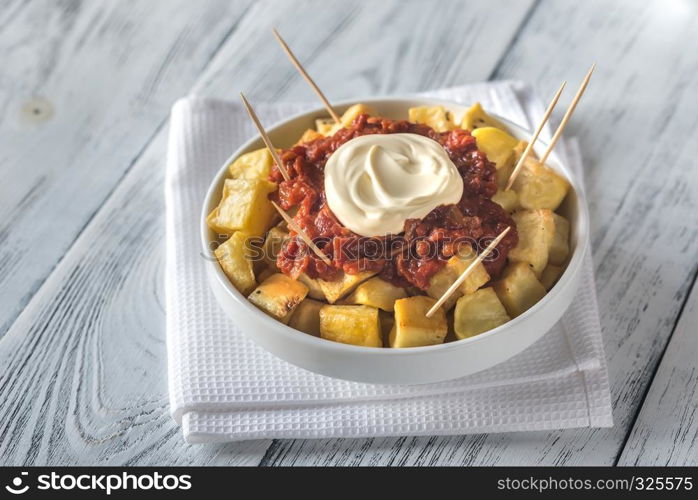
376,293
497,145
539,186
254,165
560,245
327,126
244,207
444,278
306,317
550,275
520,148
338,289
478,312
519,289
278,296
412,328
475,117
212,222
272,246
437,117
499,148
233,258
309,136
502,176
357,325
314,288
508,200
357,109
536,231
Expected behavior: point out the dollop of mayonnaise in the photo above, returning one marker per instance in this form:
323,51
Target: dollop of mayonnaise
375,182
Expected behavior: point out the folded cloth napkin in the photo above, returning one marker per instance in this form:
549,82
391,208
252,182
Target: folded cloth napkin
223,387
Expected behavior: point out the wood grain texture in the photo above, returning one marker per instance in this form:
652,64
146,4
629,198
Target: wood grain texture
83,376
638,124
355,48
84,365
666,430
83,87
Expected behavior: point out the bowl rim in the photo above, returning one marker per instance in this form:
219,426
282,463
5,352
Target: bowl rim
566,279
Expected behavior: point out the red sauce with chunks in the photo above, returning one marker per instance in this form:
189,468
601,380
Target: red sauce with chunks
408,259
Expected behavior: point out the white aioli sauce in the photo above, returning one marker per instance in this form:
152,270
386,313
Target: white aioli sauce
375,182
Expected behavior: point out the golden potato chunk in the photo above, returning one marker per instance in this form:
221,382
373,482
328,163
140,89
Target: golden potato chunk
550,276
376,293
478,312
520,148
244,207
536,231
338,289
497,145
502,175
253,165
508,200
412,328
560,245
278,296
306,317
475,117
314,288
444,278
327,126
272,246
499,148
233,258
519,289
357,325
437,117
539,186
309,136
357,109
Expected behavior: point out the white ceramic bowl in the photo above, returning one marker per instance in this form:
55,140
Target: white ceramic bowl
417,365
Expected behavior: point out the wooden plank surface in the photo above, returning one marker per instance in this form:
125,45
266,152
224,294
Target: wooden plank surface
638,126
83,377
355,48
83,87
666,430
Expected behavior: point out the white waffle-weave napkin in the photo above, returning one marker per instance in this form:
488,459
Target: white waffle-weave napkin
223,387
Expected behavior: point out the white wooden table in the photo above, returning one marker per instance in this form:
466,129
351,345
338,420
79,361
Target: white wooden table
85,92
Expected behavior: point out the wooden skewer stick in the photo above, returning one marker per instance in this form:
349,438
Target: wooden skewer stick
568,113
292,224
265,137
529,147
306,76
467,272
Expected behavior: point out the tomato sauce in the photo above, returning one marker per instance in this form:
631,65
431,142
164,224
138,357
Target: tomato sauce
407,259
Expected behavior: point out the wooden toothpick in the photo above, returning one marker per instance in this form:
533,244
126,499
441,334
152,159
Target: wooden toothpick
292,224
265,137
533,140
466,273
568,113
306,76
